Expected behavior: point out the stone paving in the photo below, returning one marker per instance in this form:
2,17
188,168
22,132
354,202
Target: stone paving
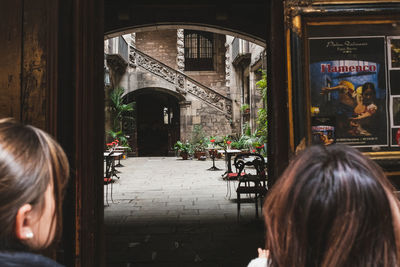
173,212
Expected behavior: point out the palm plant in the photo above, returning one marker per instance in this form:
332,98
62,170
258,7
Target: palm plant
120,112
120,136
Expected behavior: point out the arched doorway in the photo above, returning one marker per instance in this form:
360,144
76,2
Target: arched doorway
157,122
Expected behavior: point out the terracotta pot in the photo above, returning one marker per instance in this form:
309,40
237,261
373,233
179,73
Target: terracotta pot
184,155
198,154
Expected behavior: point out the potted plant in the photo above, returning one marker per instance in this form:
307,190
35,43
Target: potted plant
216,142
245,141
183,149
245,109
120,114
199,149
236,145
198,142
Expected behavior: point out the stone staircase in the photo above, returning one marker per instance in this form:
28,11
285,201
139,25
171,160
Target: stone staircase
183,83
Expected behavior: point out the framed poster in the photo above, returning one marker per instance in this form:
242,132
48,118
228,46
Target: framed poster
395,82
394,52
396,137
344,78
395,111
348,91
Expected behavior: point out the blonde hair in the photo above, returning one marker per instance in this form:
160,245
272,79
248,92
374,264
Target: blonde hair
348,84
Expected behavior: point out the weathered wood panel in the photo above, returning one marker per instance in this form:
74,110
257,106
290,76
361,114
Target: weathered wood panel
58,86
34,63
10,58
88,41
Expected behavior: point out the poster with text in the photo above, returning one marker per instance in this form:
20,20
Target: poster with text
348,86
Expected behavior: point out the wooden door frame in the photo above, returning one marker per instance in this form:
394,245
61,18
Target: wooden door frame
80,119
277,102
80,127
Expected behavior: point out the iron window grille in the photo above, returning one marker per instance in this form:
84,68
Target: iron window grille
199,50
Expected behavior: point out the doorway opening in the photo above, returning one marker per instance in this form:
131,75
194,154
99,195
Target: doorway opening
166,210
157,122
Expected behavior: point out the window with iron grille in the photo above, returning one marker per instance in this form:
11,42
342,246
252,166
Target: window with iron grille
199,50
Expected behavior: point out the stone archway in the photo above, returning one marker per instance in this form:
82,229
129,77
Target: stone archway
211,99
157,124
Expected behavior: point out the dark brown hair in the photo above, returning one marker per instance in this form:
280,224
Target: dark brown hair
30,160
332,207
367,86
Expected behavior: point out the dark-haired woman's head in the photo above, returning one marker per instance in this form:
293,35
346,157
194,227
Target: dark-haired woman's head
33,173
332,207
368,93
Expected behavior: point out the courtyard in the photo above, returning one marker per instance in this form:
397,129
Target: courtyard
172,212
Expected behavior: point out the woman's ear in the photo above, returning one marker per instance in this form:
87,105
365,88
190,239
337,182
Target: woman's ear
23,223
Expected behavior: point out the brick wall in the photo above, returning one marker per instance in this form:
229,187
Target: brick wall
214,79
212,121
160,45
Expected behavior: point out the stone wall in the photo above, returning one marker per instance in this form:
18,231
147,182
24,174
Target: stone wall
195,112
163,45
256,64
238,76
214,79
160,45
233,79
166,47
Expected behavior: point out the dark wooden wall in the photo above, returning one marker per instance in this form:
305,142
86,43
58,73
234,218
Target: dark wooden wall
27,55
51,76
278,124
10,55
88,122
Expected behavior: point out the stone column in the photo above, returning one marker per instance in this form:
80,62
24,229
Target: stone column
227,67
132,44
185,120
180,48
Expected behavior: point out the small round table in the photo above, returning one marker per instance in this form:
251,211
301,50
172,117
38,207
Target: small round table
213,152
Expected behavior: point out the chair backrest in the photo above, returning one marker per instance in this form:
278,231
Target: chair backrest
250,159
109,161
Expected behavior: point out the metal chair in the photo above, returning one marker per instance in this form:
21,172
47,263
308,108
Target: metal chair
109,173
248,183
230,176
107,182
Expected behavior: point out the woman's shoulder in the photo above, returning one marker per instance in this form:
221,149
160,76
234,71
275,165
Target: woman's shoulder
26,259
258,262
